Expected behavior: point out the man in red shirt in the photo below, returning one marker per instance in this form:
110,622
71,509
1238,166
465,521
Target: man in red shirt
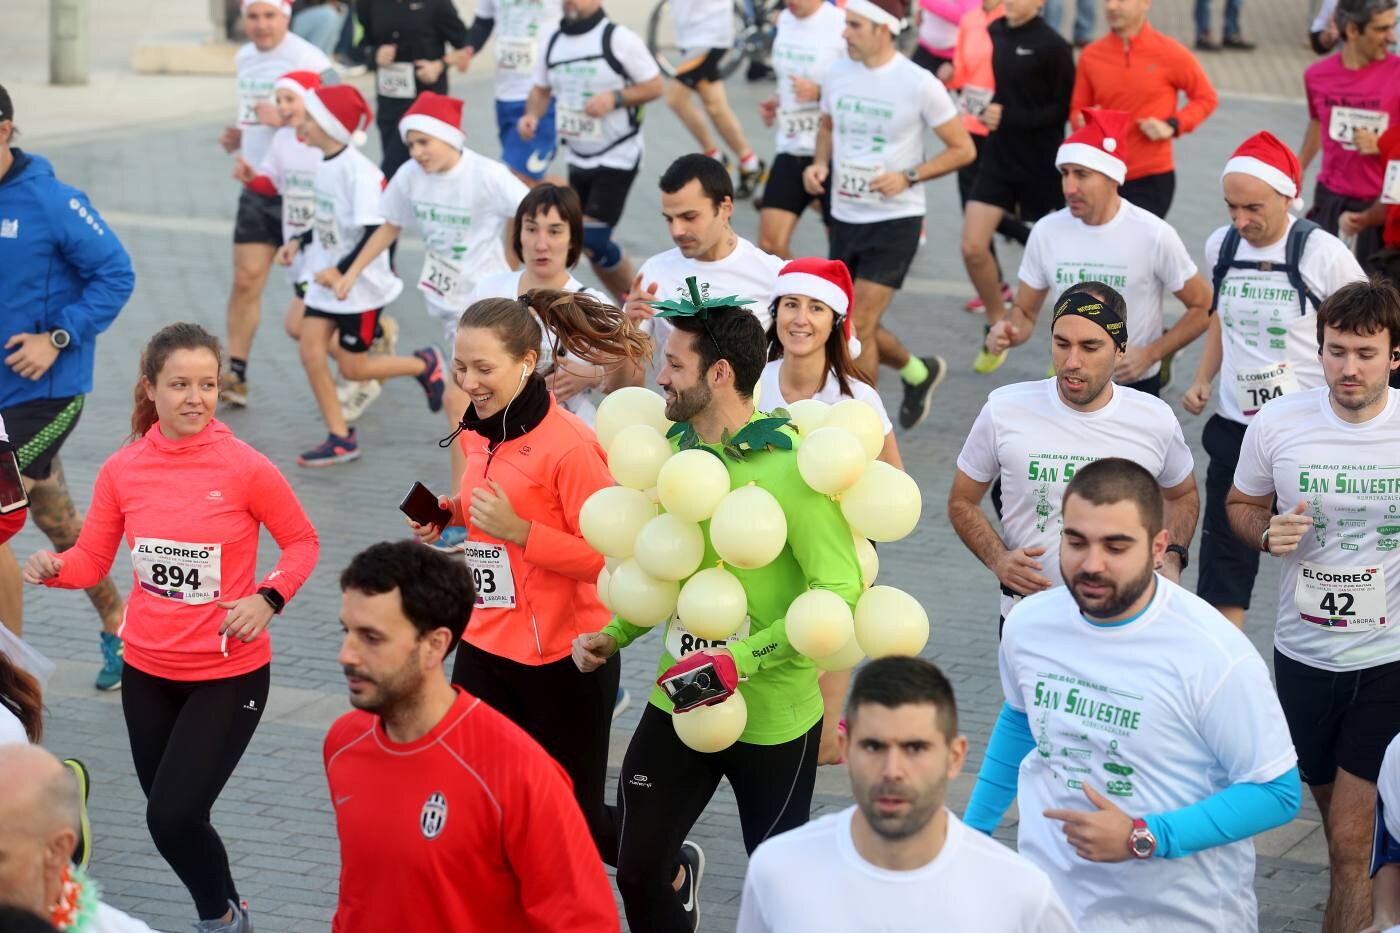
450,817
1140,70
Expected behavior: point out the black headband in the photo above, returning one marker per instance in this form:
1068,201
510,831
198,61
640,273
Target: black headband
1087,306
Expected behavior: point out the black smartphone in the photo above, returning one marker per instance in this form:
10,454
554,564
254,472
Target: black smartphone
12,494
422,506
694,687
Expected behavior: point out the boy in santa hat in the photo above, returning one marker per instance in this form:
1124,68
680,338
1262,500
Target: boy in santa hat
347,214
464,205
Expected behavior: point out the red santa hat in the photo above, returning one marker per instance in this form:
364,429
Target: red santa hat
298,82
826,280
285,6
341,111
437,115
1267,158
1095,143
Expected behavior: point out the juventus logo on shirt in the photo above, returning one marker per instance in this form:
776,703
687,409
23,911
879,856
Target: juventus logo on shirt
433,816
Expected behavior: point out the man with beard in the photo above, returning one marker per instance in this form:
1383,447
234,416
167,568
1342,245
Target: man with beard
1149,743
899,856
713,357
450,817
1033,436
1328,455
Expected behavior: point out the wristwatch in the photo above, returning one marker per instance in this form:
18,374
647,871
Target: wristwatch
60,338
273,598
1182,554
911,175
619,101
1175,124
1141,840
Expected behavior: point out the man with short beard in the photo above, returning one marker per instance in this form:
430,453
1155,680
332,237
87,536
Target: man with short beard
450,817
1033,436
1140,731
899,856
1329,456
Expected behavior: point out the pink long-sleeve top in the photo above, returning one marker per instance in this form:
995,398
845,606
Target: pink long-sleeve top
938,24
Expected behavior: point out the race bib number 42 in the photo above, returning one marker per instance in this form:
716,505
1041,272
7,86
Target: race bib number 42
1343,599
853,181
491,576
188,573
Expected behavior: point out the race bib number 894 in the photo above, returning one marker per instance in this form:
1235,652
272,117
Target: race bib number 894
178,570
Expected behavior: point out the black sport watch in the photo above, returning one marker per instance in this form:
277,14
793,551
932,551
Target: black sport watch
60,338
1182,554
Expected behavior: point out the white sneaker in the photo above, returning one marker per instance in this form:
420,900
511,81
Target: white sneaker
355,397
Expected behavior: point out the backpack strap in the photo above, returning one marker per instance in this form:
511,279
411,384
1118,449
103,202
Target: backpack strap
1293,263
1223,263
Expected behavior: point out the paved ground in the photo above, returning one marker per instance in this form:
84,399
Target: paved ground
163,187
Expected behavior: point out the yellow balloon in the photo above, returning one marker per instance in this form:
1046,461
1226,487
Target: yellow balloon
639,597
884,504
611,518
637,455
712,604
758,395
862,421
604,587
691,484
830,460
669,548
610,563
890,622
807,414
869,561
711,729
819,623
627,406
749,528
848,657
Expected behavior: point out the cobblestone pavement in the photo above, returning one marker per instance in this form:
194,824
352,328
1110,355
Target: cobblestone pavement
165,190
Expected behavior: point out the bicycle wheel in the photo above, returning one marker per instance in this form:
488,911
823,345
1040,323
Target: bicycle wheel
664,46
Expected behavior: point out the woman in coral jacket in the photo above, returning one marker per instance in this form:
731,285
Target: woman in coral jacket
531,464
186,500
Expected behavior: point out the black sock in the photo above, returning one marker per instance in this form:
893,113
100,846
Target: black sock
239,368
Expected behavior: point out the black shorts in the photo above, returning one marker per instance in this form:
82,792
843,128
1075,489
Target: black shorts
259,219
602,191
357,328
930,62
299,289
1152,193
1026,196
1228,565
38,429
1339,719
784,190
1326,211
879,252
700,67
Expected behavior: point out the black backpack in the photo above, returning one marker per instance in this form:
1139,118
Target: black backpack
1291,266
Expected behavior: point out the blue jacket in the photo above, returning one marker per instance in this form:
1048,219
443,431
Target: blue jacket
61,266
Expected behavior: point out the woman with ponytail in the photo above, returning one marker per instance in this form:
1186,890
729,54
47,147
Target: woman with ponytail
21,705
530,466
187,500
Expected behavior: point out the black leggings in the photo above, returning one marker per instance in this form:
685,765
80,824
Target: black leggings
663,788
568,712
186,739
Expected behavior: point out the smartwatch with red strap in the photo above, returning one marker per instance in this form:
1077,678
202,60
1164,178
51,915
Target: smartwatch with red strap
1141,840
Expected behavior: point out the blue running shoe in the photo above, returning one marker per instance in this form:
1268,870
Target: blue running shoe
110,677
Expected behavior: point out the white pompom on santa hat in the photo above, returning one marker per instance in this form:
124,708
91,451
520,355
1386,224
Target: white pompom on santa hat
341,111
298,82
1267,158
1098,143
437,115
826,280
284,6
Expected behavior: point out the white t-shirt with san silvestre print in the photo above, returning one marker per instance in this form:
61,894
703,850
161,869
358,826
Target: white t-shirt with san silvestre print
880,122
348,186
1027,436
1269,341
522,29
1155,713
291,165
804,47
257,78
1135,252
747,272
1344,576
463,214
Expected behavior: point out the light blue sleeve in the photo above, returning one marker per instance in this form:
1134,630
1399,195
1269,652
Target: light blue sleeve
1011,741
1237,812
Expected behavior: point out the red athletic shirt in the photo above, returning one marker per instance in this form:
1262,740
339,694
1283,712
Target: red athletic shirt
473,829
189,512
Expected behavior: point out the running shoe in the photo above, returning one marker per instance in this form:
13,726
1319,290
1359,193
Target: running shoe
749,181
621,702
83,852
332,451
975,304
758,71
355,397
431,379
693,861
985,363
241,922
233,391
453,540
110,676
917,398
